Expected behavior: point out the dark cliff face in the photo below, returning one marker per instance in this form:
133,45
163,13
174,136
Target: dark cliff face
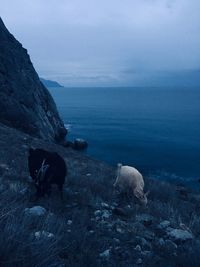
25,103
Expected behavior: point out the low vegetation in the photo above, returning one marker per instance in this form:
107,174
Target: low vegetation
94,225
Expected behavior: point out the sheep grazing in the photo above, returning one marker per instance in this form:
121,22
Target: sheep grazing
129,177
46,168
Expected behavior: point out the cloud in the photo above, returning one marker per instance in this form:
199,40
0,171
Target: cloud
73,40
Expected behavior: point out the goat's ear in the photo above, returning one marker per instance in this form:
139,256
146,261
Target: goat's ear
119,165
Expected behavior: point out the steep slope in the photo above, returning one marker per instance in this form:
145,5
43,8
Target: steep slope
93,225
25,103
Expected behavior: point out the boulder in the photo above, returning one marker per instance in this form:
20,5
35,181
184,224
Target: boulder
80,144
36,211
179,235
68,144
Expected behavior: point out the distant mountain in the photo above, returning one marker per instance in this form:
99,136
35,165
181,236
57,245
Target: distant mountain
49,83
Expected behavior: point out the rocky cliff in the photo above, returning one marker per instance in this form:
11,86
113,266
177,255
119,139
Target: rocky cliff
25,103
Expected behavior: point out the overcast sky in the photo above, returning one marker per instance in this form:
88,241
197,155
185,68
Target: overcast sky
106,42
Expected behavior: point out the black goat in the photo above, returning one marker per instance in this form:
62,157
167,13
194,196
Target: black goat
46,168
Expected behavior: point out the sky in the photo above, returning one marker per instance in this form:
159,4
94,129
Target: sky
107,42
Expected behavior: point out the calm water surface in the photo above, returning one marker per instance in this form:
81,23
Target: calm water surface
157,130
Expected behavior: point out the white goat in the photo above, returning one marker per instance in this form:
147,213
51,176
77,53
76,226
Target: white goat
129,177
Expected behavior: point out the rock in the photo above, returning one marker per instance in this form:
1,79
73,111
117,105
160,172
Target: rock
61,133
179,235
43,234
105,205
106,214
25,102
105,254
163,225
69,222
103,214
50,83
80,144
68,144
97,213
120,230
146,219
138,248
3,168
36,211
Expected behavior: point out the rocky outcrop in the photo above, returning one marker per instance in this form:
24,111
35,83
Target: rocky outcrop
25,103
49,83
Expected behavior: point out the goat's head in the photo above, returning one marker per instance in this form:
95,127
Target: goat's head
141,196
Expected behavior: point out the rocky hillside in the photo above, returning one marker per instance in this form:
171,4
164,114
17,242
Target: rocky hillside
93,225
24,101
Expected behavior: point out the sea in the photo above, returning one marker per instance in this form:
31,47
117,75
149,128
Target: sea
156,130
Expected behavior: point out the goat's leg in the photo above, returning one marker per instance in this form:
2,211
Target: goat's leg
48,189
60,187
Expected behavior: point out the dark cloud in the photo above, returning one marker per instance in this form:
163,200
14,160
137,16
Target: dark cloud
106,42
